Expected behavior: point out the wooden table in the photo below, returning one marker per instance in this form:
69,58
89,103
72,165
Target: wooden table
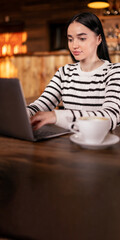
56,190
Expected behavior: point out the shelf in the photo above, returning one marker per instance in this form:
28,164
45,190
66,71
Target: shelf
109,17
114,52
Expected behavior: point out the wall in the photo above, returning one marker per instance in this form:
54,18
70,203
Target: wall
38,14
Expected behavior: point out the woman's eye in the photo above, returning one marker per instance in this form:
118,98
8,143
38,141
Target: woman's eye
69,39
82,39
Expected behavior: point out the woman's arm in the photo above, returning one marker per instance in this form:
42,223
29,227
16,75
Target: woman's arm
110,107
50,98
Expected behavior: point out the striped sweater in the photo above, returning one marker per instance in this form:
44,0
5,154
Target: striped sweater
95,93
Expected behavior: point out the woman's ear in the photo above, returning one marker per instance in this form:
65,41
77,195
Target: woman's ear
99,39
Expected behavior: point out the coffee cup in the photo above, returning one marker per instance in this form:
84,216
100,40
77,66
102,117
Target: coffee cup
93,130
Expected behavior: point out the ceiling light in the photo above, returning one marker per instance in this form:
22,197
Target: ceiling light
98,4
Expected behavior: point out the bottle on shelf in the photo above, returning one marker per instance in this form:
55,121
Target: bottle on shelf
114,9
106,12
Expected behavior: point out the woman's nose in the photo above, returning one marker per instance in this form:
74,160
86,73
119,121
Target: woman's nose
75,44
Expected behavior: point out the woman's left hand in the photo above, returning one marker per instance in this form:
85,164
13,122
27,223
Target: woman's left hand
42,118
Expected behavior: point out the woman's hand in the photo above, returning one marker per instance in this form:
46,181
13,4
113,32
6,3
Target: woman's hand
42,118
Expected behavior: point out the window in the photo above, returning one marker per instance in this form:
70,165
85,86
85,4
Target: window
58,39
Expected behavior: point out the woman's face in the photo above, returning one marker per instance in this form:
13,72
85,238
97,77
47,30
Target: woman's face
82,42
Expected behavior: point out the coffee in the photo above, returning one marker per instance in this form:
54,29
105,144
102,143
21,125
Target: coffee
92,129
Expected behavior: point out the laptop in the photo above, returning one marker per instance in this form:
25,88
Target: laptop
14,120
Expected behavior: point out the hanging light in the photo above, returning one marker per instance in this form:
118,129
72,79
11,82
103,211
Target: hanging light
12,38
98,4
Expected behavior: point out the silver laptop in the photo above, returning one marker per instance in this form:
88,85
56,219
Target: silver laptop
14,121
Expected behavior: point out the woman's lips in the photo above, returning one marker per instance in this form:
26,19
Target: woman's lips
76,53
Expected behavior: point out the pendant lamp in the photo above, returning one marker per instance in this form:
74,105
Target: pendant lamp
98,4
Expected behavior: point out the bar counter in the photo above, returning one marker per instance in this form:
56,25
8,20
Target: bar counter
57,190
34,70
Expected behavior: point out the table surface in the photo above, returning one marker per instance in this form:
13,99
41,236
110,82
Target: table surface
57,190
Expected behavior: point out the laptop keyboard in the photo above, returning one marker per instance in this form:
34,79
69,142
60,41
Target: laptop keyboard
49,131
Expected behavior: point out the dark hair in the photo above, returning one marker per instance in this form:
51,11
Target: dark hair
91,21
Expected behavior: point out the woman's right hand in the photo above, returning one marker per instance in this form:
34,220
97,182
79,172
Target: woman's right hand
42,118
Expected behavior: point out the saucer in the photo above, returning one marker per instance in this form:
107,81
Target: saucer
109,140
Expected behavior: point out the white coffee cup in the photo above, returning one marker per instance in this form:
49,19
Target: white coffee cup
92,129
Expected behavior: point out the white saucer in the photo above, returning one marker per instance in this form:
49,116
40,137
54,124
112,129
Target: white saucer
109,140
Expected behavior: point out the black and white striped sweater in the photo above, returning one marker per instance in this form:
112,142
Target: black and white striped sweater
95,93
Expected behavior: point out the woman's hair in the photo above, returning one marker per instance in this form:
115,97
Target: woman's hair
92,22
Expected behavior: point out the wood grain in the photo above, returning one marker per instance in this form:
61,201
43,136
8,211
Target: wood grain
34,71
55,189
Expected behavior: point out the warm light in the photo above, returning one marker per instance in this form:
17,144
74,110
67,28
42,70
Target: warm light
16,49
24,37
98,4
7,68
12,43
4,50
24,48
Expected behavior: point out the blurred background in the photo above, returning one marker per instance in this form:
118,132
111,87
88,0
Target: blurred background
32,38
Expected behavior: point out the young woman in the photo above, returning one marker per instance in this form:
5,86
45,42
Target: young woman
88,87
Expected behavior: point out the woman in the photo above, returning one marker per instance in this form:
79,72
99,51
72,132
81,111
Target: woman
88,87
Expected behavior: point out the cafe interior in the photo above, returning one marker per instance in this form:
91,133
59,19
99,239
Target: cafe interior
33,43
54,189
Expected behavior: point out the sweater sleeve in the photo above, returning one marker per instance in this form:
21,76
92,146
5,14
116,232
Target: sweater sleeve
50,98
110,107
54,93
